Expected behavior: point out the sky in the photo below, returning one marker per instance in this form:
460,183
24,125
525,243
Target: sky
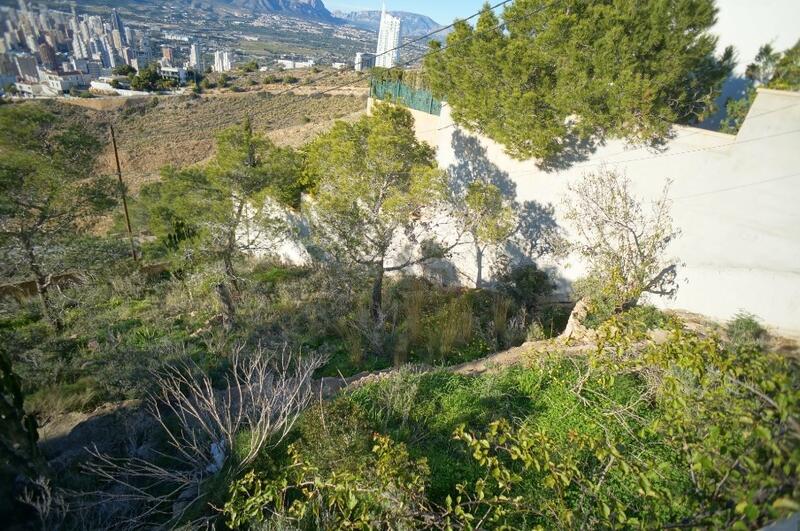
442,11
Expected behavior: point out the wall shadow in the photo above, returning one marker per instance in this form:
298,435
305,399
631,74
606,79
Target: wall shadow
538,233
473,164
574,151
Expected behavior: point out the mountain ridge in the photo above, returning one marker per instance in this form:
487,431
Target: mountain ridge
412,24
313,9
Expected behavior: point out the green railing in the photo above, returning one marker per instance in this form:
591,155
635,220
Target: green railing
398,92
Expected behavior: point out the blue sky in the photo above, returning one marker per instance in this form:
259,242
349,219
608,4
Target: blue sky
442,11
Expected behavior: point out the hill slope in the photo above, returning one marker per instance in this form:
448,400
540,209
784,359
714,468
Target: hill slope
313,9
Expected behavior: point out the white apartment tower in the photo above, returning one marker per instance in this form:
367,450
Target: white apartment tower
195,57
223,61
387,54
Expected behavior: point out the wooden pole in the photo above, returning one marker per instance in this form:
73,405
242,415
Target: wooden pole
122,193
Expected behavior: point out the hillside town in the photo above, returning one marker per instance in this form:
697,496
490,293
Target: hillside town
50,53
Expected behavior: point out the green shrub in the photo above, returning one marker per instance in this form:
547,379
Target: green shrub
679,433
525,284
744,330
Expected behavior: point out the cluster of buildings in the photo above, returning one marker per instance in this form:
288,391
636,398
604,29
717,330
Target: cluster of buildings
291,64
49,53
387,54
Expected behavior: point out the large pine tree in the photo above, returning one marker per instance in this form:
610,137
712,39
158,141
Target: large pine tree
558,75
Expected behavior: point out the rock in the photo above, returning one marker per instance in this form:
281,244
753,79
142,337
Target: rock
575,329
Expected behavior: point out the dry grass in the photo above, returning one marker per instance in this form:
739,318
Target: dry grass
179,130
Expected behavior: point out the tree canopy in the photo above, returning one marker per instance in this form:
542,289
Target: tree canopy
228,207
372,182
48,192
555,75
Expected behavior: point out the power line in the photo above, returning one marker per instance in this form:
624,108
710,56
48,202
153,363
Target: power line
405,44
738,187
476,33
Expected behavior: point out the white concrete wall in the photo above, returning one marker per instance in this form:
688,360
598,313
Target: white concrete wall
736,199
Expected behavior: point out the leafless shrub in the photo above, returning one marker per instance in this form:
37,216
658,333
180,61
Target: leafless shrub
263,396
48,503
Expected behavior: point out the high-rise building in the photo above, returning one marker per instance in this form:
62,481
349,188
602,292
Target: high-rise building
388,53
116,23
47,55
167,55
223,61
128,55
195,57
26,68
7,65
79,48
117,40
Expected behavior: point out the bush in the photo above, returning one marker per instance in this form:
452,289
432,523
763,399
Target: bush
745,331
525,284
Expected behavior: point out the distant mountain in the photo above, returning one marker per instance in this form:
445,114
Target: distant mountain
412,24
312,9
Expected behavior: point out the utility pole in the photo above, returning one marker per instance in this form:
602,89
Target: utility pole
122,193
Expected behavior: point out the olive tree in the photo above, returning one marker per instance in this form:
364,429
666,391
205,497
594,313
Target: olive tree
623,241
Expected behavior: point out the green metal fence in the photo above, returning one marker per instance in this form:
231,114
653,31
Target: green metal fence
397,92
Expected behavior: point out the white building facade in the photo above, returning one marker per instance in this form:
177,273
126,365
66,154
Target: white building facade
195,57
388,53
223,61
291,64
734,198
364,61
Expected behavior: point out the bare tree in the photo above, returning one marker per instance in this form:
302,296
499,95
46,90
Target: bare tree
259,404
623,242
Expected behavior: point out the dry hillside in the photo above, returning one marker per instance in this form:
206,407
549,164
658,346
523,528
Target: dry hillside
179,130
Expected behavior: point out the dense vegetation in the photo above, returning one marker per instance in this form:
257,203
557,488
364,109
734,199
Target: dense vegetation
532,83
692,430
199,293
628,435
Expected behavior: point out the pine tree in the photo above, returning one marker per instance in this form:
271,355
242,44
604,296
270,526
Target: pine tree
559,76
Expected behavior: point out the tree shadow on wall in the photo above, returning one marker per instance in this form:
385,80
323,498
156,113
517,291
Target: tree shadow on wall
574,150
538,234
472,164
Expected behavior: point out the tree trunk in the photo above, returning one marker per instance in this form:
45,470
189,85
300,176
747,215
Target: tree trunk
479,266
228,309
230,248
42,287
230,272
376,310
